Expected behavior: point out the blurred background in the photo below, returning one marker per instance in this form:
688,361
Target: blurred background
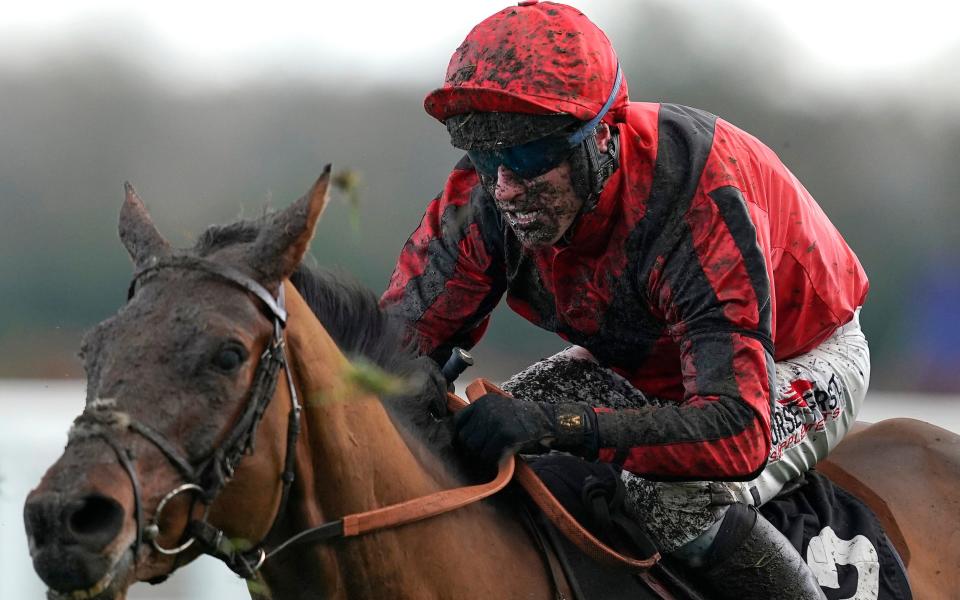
215,111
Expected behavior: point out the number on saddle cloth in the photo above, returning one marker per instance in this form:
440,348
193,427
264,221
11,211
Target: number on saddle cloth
841,540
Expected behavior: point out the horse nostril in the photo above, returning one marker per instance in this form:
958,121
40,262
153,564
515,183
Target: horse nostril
39,519
94,521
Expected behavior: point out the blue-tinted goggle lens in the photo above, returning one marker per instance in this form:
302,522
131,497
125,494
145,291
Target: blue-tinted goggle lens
526,160
539,156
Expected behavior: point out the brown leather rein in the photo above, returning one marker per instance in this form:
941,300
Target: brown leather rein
438,503
546,502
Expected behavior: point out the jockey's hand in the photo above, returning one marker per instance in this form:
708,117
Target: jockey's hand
494,425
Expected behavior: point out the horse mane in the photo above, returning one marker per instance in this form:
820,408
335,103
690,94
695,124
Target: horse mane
352,316
349,312
220,236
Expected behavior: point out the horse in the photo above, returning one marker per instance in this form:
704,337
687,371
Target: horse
171,373
224,415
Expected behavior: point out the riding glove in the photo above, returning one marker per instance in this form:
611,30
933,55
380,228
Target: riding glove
495,424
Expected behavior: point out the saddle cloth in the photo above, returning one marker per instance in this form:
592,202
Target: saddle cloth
839,536
841,539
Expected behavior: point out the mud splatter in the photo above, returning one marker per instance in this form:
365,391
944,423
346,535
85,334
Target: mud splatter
559,379
551,198
673,513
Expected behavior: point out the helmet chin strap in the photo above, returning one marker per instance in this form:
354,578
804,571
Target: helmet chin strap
594,169
601,165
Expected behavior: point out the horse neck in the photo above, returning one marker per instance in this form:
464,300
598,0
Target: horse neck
352,439
353,460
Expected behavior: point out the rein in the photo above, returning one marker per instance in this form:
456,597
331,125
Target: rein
431,505
209,478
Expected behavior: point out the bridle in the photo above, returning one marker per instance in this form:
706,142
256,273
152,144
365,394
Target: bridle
208,478
214,472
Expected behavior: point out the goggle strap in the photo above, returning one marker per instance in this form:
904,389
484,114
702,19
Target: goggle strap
581,134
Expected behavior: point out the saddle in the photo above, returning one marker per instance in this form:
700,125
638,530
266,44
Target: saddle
574,512
592,493
840,537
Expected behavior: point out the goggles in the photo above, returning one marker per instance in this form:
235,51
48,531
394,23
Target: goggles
526,160
539,156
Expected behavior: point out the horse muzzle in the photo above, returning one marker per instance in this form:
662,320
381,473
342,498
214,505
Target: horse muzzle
72,543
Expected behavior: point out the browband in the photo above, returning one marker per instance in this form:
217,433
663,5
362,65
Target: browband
225,272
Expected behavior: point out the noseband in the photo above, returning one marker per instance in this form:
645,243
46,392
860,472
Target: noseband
209,477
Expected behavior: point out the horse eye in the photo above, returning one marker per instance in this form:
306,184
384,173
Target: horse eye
229,358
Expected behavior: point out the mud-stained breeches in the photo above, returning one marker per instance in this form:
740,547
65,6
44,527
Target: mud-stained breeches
818,397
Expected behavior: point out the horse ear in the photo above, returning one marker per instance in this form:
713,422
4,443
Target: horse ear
137,232
286,234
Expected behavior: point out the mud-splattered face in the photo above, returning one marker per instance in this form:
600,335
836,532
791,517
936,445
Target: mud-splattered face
539,210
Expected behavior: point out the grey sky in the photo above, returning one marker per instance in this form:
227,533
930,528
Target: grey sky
833,44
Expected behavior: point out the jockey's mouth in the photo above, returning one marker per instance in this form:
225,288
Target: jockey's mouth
522,219
542,221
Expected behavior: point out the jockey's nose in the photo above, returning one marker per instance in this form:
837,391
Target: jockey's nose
509,185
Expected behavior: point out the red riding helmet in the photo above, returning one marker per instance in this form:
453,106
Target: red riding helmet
535,58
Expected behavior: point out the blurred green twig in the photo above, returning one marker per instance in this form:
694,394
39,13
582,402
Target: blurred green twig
348,181
361,379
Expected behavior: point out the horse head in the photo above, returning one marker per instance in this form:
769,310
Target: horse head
171,407
197,371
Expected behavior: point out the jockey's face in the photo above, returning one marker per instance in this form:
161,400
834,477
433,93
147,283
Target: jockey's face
539,210
542,209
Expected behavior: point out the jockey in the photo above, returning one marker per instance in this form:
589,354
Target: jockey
712,308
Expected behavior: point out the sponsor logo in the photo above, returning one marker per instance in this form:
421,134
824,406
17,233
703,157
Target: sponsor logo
802,406
796,393
829,401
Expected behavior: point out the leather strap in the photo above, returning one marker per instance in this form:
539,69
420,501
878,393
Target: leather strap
408,511
225,272
444,501
565,584
123,455
552,508
427,506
